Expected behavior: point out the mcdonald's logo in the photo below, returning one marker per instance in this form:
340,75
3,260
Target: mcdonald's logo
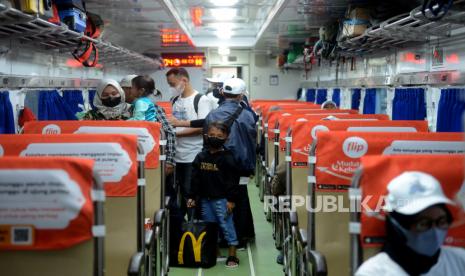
196,245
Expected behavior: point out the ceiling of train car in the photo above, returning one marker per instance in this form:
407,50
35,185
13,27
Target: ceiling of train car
268,25
235,23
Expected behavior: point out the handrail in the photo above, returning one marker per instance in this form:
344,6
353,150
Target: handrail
402,30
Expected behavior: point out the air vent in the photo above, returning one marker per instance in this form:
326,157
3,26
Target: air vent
232,59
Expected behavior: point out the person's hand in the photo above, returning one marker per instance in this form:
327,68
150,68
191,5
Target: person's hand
174,122
230,206
190,203
169,169
178,123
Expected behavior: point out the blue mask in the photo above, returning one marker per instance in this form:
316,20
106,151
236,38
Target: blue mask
425,243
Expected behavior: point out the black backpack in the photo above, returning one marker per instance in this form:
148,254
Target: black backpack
196,102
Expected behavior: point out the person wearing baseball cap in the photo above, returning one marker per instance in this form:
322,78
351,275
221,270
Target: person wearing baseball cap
416,227
213,92
242,144
329,104
126,84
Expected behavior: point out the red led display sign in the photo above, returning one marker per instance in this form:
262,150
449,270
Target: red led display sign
183,59
174,37
196,15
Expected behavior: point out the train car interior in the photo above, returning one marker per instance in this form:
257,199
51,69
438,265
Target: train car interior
232,137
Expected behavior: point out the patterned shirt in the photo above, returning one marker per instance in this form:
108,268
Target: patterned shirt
169,132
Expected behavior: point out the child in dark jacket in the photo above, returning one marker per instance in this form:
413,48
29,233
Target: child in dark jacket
214,184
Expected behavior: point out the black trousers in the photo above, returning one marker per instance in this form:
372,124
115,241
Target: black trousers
183,182
243,219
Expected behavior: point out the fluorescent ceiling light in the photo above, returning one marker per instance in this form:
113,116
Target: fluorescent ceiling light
224,34
224,51
224,14
222,26
224,3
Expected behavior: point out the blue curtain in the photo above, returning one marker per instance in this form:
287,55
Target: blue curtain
321,96
356,95
337,96
91,97
310,95
74,98
409,104
450,110
53,107
7,121
369,104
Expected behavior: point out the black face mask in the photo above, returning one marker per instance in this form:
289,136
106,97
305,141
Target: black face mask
111,101
215,142
216,93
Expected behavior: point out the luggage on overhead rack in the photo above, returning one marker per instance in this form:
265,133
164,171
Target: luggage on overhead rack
30,6
72,14
74,18
357,21
48,9
87,52
56,17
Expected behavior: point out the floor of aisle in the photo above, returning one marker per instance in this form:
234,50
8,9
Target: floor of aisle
259,259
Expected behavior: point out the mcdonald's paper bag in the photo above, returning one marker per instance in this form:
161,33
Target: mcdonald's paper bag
195,245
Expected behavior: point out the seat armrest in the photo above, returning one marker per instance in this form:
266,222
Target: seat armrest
167,201
293,218
302,237
148,238
135,264
318,262
159,217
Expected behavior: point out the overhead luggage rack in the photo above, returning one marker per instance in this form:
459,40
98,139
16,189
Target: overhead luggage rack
404,29
31,29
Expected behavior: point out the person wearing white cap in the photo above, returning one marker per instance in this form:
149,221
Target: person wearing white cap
242,144
213,93
329,105
126,84
416,227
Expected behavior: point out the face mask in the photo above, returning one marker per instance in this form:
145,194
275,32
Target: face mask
180,88
216,93
425,243
215,142
111,101
174,92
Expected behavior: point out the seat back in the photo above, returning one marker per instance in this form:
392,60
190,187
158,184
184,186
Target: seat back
148,135
267,108
115,158
337,157
50,221
286,123
303,134
373,177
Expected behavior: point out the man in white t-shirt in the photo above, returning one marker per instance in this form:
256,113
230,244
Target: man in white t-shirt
416,227
188,105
